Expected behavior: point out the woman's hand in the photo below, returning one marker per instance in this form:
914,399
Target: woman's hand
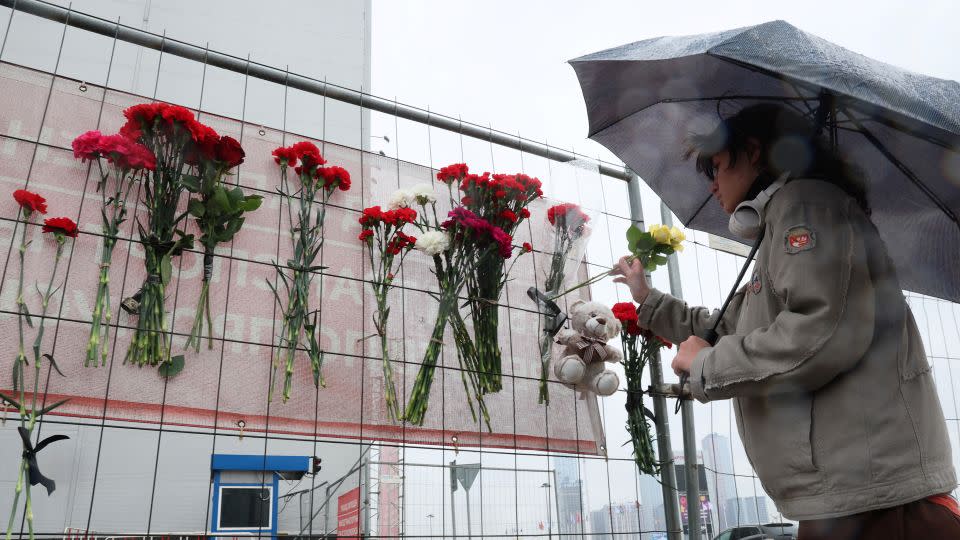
687,351
631,274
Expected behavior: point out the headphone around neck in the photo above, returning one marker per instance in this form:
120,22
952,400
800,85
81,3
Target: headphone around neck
747,220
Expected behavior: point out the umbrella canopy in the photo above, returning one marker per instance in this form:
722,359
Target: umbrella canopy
901,129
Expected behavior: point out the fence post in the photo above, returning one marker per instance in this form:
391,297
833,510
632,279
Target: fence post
668,476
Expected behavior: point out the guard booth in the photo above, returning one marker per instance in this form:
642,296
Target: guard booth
245,491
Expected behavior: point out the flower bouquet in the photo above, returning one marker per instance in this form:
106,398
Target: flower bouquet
169,132
462,247
128,162
317,184
450,264
639,348
493,208
569,230
387,245
28,472
217,210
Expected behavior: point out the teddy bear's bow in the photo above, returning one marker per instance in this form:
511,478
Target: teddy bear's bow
588,346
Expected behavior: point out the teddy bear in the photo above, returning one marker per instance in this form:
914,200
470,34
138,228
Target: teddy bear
582,365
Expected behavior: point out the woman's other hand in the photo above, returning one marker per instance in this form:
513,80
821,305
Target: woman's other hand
630,273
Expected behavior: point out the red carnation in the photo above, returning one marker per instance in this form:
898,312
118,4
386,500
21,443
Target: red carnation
509,216
524,213
466,201
452,173
527,247
405,215
285,156
365,235
30,202
626,313
568,214
131,130
370,215
140,157
125,153
308,153
204,145
229,151
503,240
305,147
87,146
175,113
334,176
144,112
60,226
499,193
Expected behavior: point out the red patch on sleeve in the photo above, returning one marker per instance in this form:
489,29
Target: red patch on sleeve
799,240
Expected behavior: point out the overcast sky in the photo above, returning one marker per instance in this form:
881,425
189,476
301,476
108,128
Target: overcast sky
504,62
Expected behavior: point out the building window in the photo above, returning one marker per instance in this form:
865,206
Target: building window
245,507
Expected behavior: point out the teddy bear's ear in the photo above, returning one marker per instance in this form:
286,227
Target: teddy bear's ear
576,304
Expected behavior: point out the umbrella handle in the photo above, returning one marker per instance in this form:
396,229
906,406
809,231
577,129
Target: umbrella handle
710,335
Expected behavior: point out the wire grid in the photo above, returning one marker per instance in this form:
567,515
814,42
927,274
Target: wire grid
151,477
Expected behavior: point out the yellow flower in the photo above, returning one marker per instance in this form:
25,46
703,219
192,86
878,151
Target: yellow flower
678,247
676,235
660,233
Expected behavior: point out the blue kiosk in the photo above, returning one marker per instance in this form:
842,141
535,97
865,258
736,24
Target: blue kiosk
245,490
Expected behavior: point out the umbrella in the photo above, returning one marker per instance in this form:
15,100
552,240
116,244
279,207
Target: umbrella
900,128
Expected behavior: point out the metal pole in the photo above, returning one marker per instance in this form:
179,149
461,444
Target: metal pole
686,412
668,476
453,491
692,473
243,66
469,530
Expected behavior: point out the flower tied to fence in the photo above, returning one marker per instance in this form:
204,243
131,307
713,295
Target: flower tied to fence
217,209
493,207
569,231
469,250
306,209
61,229
172,134
640,347
387,245
127,162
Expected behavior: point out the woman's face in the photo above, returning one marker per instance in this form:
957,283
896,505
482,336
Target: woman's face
731,183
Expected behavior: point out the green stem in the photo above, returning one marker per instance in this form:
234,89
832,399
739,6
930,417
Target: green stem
16,497
420,396
21,305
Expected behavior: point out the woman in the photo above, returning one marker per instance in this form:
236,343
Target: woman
833,395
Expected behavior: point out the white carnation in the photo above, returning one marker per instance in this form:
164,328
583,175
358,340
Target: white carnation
400,198
423,193
433,242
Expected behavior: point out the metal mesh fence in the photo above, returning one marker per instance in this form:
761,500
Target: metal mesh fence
139,459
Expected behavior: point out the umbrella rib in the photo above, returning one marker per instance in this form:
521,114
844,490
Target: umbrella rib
697,213
903,168
689,100
885,121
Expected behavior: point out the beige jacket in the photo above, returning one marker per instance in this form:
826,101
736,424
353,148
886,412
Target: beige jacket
834,398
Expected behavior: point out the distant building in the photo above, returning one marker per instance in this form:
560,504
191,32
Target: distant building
747,511
622,520
569,493
721,483
652,517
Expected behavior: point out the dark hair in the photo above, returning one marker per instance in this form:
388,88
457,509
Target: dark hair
788,142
